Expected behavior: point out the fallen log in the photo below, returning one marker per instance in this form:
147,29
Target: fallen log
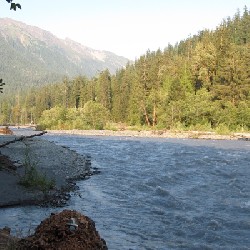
20,138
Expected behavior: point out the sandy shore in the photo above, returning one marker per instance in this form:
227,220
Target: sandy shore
60,164
157,134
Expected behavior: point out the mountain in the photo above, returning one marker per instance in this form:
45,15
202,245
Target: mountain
31,56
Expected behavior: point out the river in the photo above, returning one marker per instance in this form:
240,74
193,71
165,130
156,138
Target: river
158,193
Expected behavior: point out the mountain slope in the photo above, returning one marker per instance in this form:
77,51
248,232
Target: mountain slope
32,56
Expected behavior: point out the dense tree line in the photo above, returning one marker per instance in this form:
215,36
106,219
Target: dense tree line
202,82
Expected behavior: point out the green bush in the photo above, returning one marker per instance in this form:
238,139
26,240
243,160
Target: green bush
222,129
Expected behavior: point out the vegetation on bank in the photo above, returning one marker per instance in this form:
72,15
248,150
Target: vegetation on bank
201,83
34,179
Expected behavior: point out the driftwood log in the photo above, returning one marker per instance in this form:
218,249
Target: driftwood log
20,138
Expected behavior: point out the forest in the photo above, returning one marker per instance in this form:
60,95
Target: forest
200,83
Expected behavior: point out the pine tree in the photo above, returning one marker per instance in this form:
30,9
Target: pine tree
103,90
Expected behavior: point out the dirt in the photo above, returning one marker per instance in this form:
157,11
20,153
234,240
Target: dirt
56,232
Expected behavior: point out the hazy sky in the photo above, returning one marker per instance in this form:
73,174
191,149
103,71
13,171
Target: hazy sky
126,27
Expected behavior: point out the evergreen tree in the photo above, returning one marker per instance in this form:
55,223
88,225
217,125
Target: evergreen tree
103,90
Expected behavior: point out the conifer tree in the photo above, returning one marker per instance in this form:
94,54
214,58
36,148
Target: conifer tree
103,90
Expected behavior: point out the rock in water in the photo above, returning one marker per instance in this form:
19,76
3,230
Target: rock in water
56,232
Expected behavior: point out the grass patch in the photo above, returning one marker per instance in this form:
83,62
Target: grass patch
32,178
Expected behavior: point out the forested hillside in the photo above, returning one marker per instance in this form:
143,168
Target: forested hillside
203,83
31,56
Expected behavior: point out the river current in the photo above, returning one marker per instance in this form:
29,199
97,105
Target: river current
158,193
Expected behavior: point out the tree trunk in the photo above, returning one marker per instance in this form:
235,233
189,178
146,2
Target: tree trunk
154,115
146,115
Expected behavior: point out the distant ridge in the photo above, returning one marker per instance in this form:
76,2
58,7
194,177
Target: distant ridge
31,56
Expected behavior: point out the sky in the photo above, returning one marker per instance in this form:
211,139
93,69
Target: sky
125,27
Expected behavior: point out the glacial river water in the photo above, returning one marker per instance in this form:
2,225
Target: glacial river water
158,193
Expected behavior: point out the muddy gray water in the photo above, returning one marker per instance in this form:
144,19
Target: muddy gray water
158,193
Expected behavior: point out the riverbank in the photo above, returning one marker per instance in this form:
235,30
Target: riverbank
157,134
59,164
